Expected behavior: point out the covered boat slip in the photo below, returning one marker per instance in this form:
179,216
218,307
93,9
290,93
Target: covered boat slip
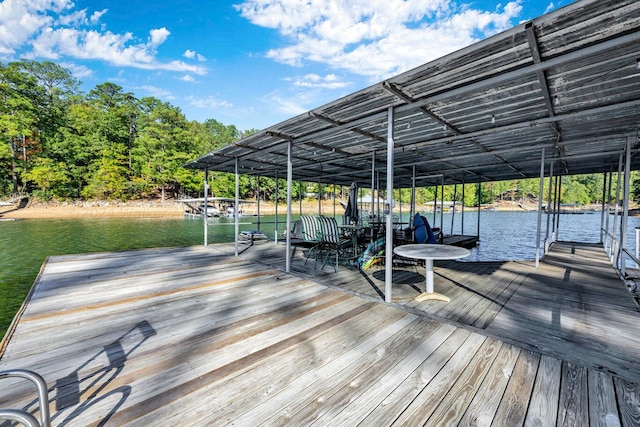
555,96
198,336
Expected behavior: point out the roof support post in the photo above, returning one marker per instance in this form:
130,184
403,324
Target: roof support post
625,204
556,209
606,220
546,238
479,204
412,212
539,210
206,203
462,208
289,192
275,237
236,208
258,201
373,191
615,242
388,267
604,208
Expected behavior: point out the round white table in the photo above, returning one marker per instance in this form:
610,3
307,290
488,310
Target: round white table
428,253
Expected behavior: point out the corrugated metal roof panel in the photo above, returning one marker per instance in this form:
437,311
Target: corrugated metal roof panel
568,82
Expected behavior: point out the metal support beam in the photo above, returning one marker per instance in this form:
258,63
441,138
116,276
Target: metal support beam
388,266
287,267
603,208
275,237
616,242
549,210
606,227
373,189
235,209
352,129
539,229
625,205
206,203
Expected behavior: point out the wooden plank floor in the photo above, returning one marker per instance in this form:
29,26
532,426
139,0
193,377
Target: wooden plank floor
196,336
573,306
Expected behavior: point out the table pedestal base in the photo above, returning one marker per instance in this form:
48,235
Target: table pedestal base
425,296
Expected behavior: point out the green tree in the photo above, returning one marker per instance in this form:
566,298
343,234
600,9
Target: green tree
53,89
17,122
108,179
164,146
220,135
50,177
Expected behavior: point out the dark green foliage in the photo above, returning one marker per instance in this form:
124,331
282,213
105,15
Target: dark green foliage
57,142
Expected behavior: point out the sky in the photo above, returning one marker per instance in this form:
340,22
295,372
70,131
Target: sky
251,63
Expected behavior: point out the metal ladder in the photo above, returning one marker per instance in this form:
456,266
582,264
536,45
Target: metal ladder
43,398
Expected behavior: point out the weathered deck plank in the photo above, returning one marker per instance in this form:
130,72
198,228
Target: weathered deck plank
484,405
543,406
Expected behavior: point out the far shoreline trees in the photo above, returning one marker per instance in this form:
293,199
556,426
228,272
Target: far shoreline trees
57,143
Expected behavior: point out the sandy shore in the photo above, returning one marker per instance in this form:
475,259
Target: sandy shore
157,209
92,210
134,209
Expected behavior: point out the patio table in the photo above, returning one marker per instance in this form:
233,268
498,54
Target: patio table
428,253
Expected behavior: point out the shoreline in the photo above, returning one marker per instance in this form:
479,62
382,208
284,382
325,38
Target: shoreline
131,209
157,209
39,210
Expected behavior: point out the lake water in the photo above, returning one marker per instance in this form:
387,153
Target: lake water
25,244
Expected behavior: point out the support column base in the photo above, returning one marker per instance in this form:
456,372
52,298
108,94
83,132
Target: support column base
425,296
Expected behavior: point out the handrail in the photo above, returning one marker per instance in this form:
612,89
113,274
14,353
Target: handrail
43,396
632,256
19,416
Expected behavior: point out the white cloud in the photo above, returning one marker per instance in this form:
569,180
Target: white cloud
288,106
157,92
158,36
20,20
193,54
550,7
187,78
330,81
78,71
75,18
54,30
208,102
113,48
375,38
95,16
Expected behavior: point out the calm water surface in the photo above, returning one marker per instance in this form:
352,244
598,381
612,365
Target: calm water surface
25,244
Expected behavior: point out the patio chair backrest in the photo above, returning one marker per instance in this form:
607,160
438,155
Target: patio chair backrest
311,231
422,232
330,231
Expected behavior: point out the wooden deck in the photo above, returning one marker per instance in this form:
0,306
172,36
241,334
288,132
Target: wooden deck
196,336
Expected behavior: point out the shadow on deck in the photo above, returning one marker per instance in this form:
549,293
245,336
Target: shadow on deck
572,307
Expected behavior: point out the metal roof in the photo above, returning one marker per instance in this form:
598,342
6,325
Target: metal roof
568,81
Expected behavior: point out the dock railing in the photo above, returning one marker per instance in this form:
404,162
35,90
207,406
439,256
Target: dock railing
611,246
43,399
626,262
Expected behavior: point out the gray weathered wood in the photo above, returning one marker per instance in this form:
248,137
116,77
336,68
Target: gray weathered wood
197,336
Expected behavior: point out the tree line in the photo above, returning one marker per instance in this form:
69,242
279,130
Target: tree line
57,142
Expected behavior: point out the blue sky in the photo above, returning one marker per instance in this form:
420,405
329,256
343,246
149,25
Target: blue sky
251,63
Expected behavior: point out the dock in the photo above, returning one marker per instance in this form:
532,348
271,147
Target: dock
198,336
465,241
